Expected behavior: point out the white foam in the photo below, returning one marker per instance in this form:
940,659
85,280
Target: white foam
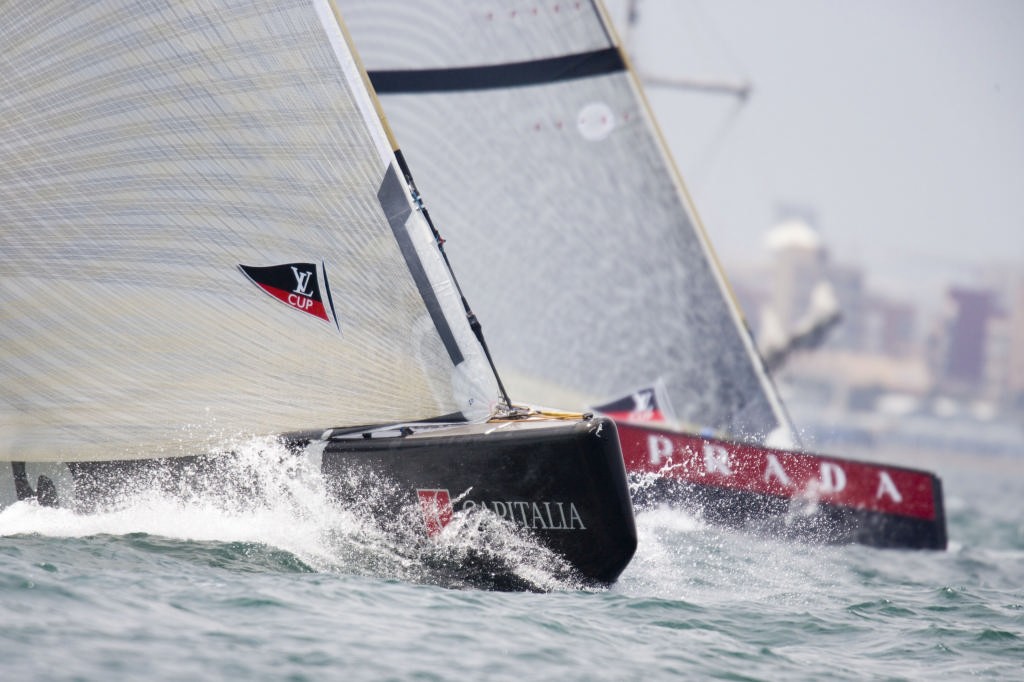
282,500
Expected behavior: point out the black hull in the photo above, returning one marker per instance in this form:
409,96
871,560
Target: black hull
564,482
793,519
559,484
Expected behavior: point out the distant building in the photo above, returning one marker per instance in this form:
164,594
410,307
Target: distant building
798,263
889,327
962,349
997,375
871,355
848,283
1004,361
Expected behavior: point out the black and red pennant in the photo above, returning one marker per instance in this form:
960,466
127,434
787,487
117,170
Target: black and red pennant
294,284
639,406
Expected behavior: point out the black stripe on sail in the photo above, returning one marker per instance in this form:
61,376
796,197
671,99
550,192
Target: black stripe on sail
535,72
397,209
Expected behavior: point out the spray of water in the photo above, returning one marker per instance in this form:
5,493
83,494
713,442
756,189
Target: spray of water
263,494
686,555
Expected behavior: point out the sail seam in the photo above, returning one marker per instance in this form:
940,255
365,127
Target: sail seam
534,72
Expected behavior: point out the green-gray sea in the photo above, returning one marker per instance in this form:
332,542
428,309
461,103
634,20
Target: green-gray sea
298,590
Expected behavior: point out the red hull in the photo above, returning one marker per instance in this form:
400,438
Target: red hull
810,496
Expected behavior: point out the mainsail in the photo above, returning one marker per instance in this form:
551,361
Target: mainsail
204,236
536,153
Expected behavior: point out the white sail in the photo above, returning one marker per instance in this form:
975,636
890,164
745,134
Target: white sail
537,157
203,236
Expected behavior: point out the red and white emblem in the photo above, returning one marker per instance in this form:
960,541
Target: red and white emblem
294,284
436,505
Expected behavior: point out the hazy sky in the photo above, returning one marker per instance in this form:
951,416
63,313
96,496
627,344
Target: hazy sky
899,123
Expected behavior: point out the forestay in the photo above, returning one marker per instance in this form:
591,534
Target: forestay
538,159
204,237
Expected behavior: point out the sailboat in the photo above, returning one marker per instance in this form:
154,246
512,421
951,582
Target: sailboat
209,236
535,148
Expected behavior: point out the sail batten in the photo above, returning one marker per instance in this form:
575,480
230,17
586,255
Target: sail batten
147,154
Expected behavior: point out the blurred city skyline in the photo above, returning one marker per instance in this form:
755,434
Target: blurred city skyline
894,127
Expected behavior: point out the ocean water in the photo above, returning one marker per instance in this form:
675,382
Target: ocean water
294,588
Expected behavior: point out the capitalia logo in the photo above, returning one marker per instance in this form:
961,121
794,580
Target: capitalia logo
296,285
437,509
540,515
